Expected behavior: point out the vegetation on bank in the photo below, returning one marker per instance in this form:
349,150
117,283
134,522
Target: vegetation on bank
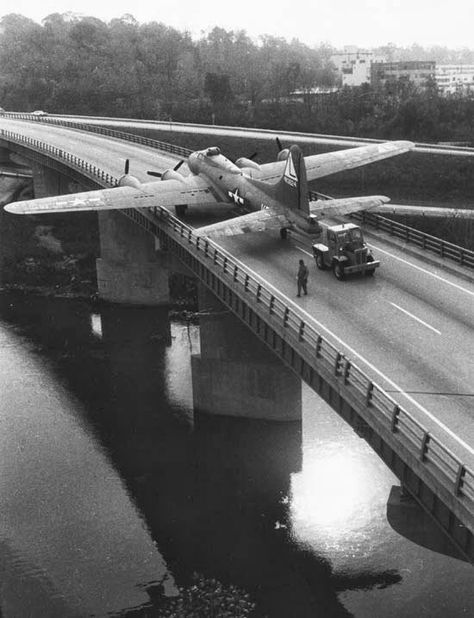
81,65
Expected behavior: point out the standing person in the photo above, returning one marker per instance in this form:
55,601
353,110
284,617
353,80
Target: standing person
302,278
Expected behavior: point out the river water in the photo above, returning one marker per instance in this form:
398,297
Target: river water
112,493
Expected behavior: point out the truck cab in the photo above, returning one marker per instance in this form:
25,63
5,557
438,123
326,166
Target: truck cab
343,249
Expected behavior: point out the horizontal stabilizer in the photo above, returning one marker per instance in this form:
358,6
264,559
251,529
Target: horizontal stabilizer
346,206
258,221
424,211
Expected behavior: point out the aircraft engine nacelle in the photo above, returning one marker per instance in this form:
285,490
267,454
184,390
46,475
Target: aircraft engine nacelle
129,181
171,174
244,162
283,154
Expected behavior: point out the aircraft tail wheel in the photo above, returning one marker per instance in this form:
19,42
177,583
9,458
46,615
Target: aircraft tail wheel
283,233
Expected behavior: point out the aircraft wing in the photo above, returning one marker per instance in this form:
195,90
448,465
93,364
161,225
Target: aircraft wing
267,219
166,193
345,206
327,163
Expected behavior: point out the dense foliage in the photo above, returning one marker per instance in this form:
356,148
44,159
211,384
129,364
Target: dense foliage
81,65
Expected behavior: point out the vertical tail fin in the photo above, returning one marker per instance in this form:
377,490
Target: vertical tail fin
292,188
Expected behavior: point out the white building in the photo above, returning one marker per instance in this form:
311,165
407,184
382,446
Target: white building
354,65
452,78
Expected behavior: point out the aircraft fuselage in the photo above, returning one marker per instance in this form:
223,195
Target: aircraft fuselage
237,185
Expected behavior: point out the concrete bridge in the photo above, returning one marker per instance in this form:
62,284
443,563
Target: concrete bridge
392,356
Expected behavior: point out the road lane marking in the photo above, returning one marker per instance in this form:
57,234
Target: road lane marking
416,318
423,270
393,384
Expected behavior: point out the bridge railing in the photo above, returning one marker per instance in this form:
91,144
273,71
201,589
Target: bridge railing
433,455
122,135
61,155
439,462
170,125
443,248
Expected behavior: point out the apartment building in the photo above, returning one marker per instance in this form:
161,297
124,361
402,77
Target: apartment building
451,78
417,71
353,64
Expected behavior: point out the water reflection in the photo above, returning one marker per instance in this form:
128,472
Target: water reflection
112,491
69,531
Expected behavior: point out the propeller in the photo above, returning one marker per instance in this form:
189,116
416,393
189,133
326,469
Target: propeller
127,166
160,174
282,152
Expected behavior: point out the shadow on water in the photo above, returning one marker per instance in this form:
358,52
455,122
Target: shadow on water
210,489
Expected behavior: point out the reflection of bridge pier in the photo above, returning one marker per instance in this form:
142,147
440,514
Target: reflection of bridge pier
236,374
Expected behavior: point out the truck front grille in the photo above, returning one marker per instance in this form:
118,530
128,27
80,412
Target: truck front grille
361,255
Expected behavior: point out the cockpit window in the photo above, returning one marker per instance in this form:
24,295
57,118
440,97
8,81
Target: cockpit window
213,152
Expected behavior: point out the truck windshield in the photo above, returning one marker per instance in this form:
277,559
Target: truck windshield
353,236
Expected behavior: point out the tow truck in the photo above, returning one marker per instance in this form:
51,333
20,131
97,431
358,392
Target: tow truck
343,249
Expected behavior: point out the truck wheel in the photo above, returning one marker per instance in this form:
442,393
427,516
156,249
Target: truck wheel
283,233
320,261
338,269
371,271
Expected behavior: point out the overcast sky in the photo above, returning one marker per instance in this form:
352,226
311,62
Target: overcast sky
365,23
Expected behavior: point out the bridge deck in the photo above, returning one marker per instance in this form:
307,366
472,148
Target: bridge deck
410,328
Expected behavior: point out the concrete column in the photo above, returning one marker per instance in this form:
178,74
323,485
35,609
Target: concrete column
236,374
130,270
48,182
4,155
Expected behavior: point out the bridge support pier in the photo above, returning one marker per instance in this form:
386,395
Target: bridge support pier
236,374
5,155
130,270
48,182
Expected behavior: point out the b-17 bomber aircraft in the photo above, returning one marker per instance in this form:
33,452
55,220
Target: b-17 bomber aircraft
270,196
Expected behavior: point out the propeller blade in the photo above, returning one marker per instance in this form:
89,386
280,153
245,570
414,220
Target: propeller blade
280,147
252,156
127,165
159,174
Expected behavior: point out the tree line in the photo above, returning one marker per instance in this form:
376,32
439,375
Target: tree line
81,65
